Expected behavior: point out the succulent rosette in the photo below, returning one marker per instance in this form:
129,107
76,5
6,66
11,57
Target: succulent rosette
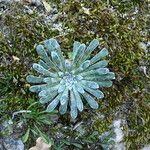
72,83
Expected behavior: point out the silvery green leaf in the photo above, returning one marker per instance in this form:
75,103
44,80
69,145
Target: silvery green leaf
53,104
64,97
48,45
75,48
43,64
90,84
51,87
45,93
61,88
51,80
87,73
80,52
99,71
100,64
47,98
37,88
58,50
108,76
78,70
79,102
62,81
42,53
91,101
42,70
79,77
93,44
48,91
104,83
79,88
56,59
60,74
63,108
101,54
85,65
102,71
34,79
73,106
96,93
44,100
54,43
68,65
42,93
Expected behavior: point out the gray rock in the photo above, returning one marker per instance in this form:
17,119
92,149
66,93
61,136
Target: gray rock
146,147
1,146
13,144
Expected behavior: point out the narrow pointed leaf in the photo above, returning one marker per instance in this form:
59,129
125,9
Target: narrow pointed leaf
88,73
57,60
48,46
54,43
96,93
93,44
78,100
42,70
53,104
85,65
90,84
51,87
79,53
108,76
51,80
34,79
61,88
100,64
73,106
68,65
43,64
45,93
64,97
91,101
48,98
105,83
58,50
75,48
101,54
37,88
79,88
63,108
102,71
42,53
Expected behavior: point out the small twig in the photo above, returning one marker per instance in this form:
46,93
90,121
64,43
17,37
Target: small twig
21,111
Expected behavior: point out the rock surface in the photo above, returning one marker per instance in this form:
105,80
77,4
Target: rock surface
12,144
40,145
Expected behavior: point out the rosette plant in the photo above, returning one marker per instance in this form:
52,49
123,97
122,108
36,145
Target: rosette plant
75,82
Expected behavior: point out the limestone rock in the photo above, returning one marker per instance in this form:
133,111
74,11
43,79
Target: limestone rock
13,144
40,145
